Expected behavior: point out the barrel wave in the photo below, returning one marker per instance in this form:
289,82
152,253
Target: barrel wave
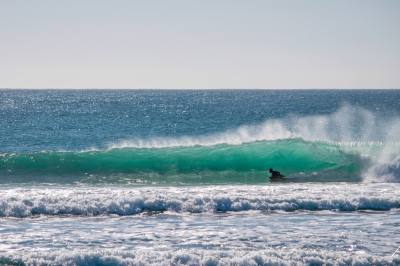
223,163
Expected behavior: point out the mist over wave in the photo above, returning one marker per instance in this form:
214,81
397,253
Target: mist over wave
348,125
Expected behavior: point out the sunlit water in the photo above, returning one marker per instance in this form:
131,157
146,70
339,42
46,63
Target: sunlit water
179,177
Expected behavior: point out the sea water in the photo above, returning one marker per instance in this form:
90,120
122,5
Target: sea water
154,177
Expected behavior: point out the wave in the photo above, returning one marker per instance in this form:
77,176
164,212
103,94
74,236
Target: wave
244,163
351,144
118,201
280,257
354,129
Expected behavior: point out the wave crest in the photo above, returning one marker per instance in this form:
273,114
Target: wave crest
347,125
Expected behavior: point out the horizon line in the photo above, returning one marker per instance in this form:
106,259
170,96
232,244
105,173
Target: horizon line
177,89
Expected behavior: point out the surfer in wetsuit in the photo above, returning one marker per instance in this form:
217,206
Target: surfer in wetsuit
275,174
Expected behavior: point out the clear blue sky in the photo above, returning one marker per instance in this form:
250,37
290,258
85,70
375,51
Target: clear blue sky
200,44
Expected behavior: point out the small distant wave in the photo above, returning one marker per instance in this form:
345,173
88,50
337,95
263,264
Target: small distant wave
16,202
279,257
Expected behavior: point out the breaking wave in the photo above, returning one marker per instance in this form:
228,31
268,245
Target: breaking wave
352,144
123,201
200,257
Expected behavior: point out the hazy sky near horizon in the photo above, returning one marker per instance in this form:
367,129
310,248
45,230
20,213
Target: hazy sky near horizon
200,44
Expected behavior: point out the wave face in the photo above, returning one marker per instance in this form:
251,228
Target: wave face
223,163
92,201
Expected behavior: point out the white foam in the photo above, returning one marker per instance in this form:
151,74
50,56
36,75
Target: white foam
202,257
17,202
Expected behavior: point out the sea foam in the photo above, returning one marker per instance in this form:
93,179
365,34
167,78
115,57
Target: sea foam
17,202
276,257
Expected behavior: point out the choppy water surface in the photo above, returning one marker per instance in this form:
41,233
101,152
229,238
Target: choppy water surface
313,223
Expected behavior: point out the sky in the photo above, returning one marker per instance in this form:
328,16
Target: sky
200,44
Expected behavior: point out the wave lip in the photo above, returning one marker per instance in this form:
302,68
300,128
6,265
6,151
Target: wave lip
123,201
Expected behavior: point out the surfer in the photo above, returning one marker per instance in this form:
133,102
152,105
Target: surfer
275,174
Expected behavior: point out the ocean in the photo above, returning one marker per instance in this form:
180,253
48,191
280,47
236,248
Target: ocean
179,177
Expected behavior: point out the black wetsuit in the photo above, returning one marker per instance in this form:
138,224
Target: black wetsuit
276,175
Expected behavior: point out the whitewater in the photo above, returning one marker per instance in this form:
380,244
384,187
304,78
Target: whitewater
95,201
109,177
312,224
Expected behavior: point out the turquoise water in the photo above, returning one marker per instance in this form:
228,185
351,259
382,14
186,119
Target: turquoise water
114,177
244,163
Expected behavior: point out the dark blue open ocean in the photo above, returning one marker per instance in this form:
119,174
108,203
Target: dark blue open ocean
156,177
